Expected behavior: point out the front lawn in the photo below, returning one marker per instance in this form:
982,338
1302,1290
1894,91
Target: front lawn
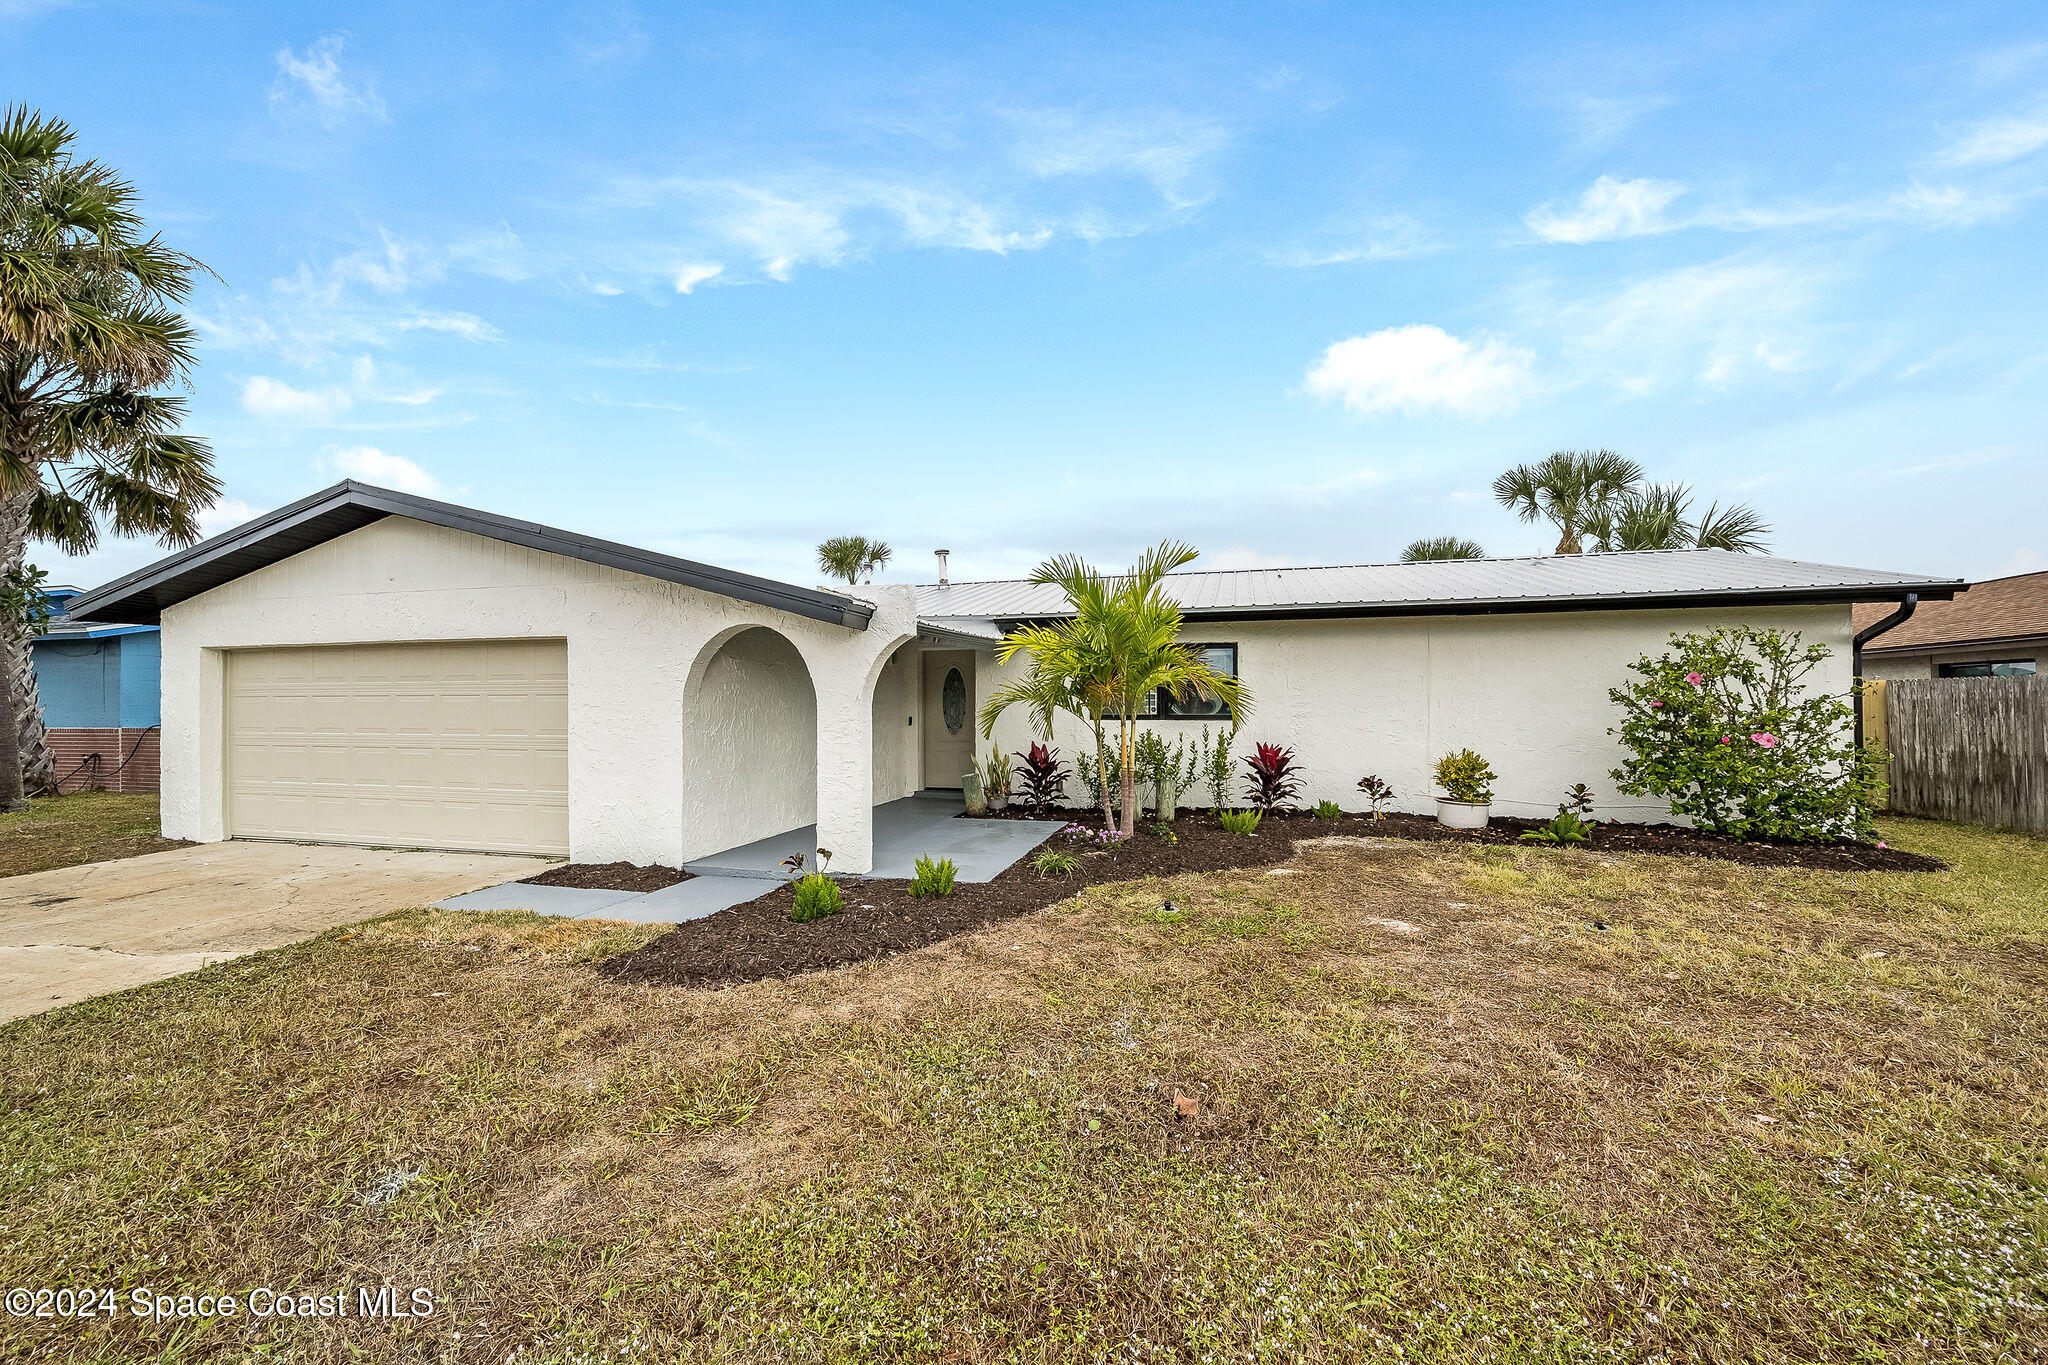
1448,1102
85,827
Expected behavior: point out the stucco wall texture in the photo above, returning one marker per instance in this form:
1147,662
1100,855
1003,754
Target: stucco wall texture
1390,696
638,649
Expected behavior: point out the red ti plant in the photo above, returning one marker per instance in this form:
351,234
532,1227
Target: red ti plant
1041,777
1273,778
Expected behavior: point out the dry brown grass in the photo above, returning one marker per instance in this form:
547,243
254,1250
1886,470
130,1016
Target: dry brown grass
86,827
1758,1116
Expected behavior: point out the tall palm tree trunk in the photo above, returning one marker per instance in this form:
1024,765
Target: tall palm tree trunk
1127,747
13,642
1102,775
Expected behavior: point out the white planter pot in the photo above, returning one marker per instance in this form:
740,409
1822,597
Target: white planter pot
1462,814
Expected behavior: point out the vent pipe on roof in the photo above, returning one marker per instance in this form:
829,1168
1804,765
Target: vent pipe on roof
942,565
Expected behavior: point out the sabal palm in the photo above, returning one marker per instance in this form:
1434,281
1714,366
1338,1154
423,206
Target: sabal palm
1568,488
1120,647
89,329
853,557
1441,547
1660,518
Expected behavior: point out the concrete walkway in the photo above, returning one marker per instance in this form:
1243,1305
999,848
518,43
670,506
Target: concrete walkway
905,830
926,825
75,932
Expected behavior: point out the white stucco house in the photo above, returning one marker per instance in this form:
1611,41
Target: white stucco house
366,666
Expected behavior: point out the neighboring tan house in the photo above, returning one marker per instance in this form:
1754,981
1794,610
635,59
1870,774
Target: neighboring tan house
365,666
98,685
1995,629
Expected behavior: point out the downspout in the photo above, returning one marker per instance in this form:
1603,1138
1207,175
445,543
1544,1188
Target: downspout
1907,604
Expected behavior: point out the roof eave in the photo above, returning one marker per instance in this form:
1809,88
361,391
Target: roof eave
140,597
1845,595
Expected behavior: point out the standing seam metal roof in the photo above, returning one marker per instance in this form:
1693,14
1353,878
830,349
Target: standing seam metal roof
1535,581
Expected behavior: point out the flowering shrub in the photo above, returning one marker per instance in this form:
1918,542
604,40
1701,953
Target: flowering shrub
1092,835
1725,728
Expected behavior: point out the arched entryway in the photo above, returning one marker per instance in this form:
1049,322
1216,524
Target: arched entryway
750,741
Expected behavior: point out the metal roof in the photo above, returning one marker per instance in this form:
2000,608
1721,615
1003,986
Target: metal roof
1454,586
142,596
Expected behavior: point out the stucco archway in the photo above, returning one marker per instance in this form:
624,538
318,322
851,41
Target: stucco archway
750,726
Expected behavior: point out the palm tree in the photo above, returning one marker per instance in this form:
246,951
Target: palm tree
1569,489
1120,647
1659,517
1441,547
853,558
89,330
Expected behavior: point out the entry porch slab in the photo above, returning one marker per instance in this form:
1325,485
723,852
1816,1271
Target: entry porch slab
925,825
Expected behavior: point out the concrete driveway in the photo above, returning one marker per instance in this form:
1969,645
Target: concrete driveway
76,932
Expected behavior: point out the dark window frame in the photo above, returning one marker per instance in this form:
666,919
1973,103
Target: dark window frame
1161,699
1950,670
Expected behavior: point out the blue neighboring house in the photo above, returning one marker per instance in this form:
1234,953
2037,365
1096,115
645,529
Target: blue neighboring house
101,693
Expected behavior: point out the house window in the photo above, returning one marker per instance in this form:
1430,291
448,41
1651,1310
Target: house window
1162,705
1997,668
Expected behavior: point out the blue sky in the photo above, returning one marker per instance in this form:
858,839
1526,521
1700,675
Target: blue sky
1293,282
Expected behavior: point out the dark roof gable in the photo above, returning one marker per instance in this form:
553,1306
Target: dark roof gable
141,597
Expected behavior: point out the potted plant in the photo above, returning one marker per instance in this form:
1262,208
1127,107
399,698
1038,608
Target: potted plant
995,779
1468,781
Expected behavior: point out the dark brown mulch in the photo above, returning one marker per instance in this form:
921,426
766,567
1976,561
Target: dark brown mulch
609,876
1675,841
758,940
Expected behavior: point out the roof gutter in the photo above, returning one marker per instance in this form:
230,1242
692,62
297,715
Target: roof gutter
1907,606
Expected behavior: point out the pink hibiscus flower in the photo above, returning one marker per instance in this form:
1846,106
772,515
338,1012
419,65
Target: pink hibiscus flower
1726,740
1656,703
1695,679
1768,741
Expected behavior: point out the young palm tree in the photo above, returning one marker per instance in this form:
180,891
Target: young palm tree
1569,489
89,331
853,558
1120,647
1659,517
1441,547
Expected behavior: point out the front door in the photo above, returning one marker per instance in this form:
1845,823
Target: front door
948,717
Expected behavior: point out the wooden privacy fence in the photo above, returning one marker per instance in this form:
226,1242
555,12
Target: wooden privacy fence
1970,749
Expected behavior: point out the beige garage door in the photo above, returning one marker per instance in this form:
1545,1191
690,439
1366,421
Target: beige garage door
447,745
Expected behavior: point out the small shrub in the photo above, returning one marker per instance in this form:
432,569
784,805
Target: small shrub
1566,827
1327,810
1377,794
1163,832
1240,821
1111,772
1465,776
1169,768
817,896
1725,729
1578,798
1041,778
1055,862
1273,778
1212,761
933,878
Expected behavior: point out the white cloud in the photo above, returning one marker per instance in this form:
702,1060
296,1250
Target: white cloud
2023,560
1609,208
276,401
1384,237
380,467
314,85
467,326
1420,368
688,277
1714,324
1999,140
1174,152
782,233
225,515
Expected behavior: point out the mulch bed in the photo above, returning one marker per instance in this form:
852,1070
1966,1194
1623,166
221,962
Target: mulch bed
758,940
609,876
